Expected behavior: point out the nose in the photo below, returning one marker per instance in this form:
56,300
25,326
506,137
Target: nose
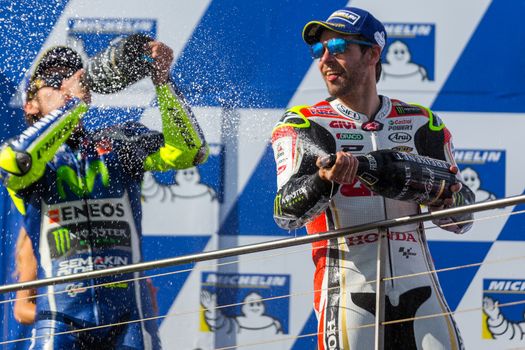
326,56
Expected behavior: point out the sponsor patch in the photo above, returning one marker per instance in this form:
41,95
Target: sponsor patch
349,136
399,127
342,124
364,238
400,124
80,237
322,111
75,288
347,112
350,16
405,149
372,126
400,137
407,110
89,263
283,154
406,252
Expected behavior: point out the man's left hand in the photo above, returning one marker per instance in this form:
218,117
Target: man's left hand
448,202
162,55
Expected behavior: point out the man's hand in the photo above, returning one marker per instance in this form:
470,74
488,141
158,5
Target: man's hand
74,87
163,57
343,171
448,202
153,293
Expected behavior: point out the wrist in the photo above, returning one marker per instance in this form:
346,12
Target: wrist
161,79
321,174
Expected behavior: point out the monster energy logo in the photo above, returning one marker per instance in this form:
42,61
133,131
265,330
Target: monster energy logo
81,186
62,241
277,205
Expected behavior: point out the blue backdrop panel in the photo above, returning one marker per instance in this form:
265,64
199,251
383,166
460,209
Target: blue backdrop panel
481,81
247,53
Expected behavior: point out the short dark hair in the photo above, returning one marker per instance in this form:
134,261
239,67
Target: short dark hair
379,67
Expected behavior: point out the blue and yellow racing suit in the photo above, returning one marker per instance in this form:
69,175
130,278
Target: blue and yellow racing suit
82,210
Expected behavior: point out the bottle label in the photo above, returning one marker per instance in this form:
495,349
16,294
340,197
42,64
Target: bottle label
421,160
368,179
372,162
406,186
432,188
438,194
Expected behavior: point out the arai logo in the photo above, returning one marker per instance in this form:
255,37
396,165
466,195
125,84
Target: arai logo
400,137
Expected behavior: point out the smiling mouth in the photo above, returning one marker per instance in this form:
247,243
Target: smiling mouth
331,76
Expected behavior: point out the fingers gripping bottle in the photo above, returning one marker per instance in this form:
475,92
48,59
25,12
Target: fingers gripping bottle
405,176
123,63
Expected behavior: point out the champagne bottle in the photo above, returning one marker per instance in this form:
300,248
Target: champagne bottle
405,176
121,64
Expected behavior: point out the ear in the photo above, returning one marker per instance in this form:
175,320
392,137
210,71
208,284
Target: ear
32,107
375,54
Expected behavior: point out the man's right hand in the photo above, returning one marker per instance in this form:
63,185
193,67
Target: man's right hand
343,171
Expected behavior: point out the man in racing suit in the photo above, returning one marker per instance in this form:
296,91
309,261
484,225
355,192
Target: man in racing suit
356,120
80,193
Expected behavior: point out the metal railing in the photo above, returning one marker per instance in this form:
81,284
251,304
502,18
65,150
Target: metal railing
381,226
265,246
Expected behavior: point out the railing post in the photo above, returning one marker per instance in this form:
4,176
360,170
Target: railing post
380,289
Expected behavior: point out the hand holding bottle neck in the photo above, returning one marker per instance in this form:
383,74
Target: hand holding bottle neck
162,56
340,167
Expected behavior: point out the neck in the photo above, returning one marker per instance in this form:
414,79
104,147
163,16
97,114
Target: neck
365,101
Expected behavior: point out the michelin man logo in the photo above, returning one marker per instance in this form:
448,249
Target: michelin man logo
253,318
409,55
189,196
499,326
195,204
483,171
399,64
242,307
471,179
503,313
187,186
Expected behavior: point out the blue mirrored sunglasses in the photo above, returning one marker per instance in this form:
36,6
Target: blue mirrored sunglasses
334,46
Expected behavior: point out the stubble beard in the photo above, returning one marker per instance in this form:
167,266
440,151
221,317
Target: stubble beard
348,84
339,89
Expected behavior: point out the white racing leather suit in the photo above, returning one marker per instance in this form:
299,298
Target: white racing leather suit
344,281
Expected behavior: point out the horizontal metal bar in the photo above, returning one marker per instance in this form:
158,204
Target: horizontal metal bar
264,246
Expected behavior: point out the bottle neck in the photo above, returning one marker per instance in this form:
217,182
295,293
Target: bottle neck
364,165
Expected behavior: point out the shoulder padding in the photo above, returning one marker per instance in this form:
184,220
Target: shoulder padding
293,117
